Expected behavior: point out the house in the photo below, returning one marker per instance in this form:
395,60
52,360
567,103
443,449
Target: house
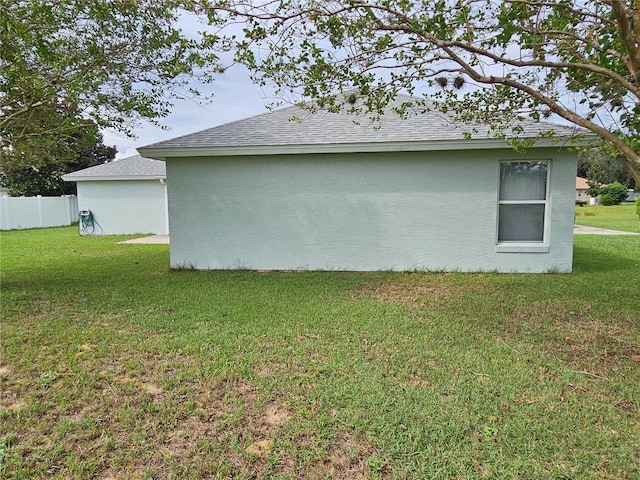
122,197
582,187
582,191
295,190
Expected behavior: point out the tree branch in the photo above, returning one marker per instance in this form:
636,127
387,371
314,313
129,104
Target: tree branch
628,25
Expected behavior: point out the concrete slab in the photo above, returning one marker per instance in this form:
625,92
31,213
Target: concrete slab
584,230
153,239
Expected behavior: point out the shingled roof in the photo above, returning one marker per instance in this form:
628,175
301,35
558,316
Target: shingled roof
130,168
298,130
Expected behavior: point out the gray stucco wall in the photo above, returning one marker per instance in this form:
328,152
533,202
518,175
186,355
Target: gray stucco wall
385,211
124,207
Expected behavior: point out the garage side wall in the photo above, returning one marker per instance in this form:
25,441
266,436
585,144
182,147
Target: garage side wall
363,212
124,207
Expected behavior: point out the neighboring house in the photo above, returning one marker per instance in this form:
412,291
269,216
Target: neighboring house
292,190
122,197
582,187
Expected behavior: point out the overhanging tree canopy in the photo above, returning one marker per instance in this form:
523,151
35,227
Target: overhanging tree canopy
110,63
486,60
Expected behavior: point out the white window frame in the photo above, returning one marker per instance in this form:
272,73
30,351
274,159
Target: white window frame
525,246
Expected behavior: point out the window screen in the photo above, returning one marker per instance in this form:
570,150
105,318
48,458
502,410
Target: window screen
523,201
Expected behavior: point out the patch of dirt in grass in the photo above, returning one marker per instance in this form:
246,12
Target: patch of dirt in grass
567,326
180,441
129,409
260,449
275,416
417,382
152,389
409,295
264,371
345,459
585,339
13,405
37,306
122,410
348,458
627,406
9,400
183,424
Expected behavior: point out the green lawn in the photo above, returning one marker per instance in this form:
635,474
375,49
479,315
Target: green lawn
113,366
615,217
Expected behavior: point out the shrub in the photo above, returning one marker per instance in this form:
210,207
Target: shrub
638,206
580,203
607,200
617,192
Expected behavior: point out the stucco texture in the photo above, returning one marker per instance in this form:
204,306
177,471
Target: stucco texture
360,212
125,207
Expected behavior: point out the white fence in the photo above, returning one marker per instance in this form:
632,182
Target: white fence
17,213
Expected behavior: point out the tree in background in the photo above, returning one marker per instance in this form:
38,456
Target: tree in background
617,192
484,61
69,65
39,172
596,179
598,165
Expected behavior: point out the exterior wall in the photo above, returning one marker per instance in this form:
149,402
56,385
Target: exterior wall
582,195
125,207
385,211
17,213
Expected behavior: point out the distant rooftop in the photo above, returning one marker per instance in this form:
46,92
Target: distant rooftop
130,168
581,183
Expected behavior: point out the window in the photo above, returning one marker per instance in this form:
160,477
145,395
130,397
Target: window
522,202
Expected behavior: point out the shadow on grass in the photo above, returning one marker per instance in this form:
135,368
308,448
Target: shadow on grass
594,254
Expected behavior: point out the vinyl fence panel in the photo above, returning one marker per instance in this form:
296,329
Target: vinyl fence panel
18,213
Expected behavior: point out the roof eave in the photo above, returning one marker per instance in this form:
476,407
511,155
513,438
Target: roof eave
70,178
162,153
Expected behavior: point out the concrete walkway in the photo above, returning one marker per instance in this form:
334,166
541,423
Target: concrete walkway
153,239
584,230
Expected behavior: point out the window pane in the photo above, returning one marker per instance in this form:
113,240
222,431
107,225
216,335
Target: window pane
523,180
521,223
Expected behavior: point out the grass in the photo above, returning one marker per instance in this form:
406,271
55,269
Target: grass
616,217
113,366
